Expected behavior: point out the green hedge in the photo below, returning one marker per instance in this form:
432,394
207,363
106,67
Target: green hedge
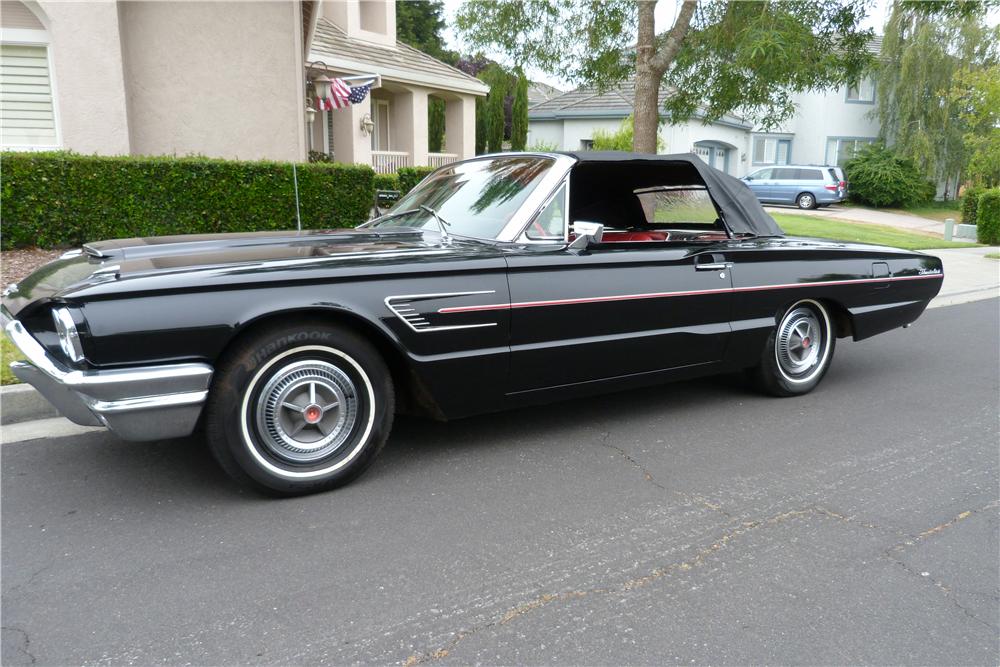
62,199
988,217
970,202
410,176
387,181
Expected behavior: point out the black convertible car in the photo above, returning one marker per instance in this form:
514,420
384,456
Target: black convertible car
499,281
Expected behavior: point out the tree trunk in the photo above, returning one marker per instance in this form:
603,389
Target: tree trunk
647,83
652,58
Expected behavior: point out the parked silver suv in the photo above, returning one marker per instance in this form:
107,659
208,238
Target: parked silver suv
806,186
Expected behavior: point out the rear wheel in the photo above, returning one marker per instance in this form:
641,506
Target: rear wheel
798,351
806,200
299,408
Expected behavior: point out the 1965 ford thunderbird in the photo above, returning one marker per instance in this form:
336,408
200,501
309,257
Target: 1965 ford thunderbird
497,282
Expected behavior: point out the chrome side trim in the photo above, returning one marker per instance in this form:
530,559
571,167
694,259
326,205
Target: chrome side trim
401,306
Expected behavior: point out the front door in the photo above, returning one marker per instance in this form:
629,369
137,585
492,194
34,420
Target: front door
616,309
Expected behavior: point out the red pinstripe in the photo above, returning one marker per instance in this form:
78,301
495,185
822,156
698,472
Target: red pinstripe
663,295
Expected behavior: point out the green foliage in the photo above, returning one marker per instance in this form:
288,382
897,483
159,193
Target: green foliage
480,125
927,83
620,139
753,56
62,199
410,176
977,96
970,204
988,217
497,80
541,146
880,177
435,124
750,56
419,23
519,112
386,181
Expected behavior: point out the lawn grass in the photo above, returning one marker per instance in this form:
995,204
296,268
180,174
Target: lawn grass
8,353
800,225
935,210
992,255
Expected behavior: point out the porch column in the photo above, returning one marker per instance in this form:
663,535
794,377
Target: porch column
460,126
409,124
349,144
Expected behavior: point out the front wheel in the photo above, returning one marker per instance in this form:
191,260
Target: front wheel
299,408
798,351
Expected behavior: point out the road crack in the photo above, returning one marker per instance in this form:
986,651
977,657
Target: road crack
894,555
23,647
697,560
648,477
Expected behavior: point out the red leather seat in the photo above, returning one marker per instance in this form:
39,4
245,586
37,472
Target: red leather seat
620,237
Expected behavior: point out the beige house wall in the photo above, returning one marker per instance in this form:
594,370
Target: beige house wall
88,80
216,78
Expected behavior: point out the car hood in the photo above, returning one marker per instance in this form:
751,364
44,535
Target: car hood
178,262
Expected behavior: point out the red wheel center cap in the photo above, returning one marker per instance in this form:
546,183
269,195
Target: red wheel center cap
805,342
312,414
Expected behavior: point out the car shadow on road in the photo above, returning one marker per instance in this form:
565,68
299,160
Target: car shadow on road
184,468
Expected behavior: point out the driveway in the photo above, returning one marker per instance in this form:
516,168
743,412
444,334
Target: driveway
913,223
692,523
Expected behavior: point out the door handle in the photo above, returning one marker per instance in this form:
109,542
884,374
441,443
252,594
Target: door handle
715,266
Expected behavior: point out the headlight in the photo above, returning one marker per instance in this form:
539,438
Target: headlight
69,337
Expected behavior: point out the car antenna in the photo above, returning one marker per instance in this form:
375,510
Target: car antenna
298,214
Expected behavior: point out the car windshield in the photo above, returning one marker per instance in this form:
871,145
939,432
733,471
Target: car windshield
476,198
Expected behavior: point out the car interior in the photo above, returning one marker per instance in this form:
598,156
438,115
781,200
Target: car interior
643,202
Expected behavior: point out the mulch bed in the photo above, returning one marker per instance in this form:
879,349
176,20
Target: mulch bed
16,264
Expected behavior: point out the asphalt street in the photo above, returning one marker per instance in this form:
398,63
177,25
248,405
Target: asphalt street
691,523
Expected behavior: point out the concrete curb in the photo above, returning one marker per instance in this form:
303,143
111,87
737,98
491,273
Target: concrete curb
21,403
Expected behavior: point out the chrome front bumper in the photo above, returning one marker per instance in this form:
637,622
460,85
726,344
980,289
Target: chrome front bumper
143,403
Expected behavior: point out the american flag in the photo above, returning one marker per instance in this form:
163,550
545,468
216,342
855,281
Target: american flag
342,95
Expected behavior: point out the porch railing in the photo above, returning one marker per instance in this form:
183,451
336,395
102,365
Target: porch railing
440,159
388,162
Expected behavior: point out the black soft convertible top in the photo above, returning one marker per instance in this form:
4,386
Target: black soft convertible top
742,211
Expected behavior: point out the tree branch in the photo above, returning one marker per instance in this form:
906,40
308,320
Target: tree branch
670,44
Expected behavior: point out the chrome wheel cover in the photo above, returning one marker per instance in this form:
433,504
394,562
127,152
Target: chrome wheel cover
800,344
806,201
306,411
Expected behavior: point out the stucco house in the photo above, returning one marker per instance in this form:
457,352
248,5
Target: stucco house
222,79
828,127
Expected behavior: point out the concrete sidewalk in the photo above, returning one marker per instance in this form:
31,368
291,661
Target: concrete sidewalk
912,223
968,275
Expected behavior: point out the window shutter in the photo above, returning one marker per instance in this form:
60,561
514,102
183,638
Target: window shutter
26,113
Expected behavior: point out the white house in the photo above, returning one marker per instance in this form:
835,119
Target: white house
827,128
221,79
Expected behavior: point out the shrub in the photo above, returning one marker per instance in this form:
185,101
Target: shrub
62,199
970,202
880,177
410,176
988,217
387,181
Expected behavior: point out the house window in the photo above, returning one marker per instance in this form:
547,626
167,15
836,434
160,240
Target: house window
862,92
841,149
27,112
771,150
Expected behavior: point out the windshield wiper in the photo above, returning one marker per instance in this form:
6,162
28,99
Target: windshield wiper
389,216
442,223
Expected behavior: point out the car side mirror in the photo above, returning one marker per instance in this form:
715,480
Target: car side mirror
748,178
586,233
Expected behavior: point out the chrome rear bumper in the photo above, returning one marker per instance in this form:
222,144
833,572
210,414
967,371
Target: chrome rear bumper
143,403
